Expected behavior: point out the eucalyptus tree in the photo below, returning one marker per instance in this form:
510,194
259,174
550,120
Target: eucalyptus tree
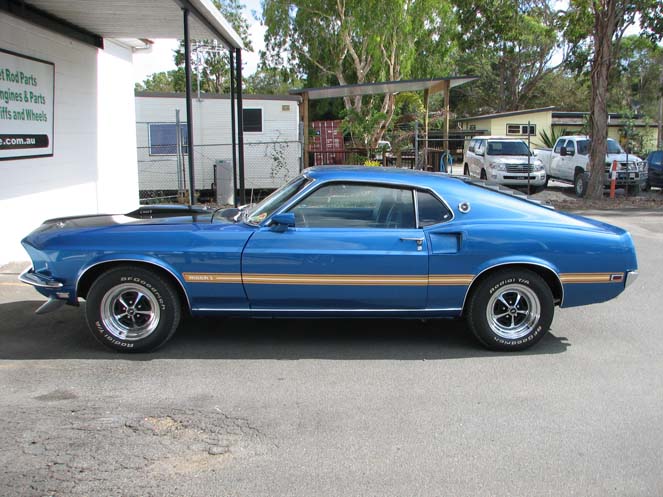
359,41
513,46
594,29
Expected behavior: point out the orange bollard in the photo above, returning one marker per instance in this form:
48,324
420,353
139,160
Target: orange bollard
613,178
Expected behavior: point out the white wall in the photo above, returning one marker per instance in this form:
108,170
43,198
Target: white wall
93,104
212,140
117,180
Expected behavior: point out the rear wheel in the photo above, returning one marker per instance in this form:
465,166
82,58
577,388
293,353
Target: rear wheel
510,310
132,309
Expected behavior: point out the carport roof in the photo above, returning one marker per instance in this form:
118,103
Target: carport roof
432,85
138,18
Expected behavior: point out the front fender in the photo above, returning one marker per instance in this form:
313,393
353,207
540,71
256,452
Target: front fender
129,257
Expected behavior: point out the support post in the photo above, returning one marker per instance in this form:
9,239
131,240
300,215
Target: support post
189,110
426,99
447,107
240,124
233,127
305,161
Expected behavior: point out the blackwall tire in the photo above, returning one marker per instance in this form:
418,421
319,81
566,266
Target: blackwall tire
510,310
580,184
132,309
466,171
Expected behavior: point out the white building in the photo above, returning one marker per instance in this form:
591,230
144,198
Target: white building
272,149
67,111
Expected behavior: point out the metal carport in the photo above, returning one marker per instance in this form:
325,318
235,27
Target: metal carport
428,86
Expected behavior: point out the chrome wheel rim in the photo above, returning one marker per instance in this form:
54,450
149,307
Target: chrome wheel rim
130,312
513,311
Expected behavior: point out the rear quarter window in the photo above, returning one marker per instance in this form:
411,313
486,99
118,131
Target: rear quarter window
431,210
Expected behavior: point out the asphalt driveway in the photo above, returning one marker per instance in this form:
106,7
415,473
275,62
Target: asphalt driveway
322,408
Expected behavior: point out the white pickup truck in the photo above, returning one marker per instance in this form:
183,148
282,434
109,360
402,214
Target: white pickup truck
568,161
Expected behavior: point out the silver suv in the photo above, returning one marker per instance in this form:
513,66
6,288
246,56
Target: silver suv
504,161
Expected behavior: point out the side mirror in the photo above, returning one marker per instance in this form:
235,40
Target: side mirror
562,152
281,222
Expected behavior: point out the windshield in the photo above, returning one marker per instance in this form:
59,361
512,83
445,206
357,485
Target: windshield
507,148
613,147
276,200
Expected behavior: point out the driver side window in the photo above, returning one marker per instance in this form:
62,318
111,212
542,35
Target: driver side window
347,205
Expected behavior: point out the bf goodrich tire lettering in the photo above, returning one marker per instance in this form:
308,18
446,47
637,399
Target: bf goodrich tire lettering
132,309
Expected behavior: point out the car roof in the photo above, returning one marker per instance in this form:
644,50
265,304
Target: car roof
381,174
496,137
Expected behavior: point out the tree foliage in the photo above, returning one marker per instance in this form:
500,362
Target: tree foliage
510,46
358,41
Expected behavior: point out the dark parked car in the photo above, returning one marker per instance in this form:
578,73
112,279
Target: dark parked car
655,166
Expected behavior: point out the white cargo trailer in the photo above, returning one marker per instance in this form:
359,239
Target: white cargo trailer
272,146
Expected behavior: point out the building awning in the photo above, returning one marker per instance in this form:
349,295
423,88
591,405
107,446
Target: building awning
432,85
134,18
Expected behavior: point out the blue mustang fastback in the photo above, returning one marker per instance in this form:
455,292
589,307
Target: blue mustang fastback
335,241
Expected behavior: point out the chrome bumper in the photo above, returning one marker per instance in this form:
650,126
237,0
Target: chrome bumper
35,279
631,276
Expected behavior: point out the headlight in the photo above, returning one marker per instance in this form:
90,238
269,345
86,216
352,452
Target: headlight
642,166
537,167
632,166
497,165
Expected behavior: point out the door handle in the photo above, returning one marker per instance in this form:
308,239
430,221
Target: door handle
419,240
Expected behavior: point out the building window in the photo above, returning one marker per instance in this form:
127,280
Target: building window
252,120
520,129
163,138
473,127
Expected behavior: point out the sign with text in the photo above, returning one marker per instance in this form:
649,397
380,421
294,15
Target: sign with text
26,106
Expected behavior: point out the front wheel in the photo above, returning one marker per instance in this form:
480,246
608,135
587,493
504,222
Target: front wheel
132,309
580,184
510,310
466,171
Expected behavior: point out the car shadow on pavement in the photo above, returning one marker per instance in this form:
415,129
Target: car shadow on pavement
64,335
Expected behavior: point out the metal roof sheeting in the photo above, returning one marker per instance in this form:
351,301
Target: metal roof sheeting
143,18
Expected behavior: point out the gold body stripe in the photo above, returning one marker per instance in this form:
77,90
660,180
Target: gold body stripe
330,279
375,280
591,277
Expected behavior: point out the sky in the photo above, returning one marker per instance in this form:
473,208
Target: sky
160,58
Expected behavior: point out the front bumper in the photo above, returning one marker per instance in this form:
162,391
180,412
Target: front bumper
48,287
626,178
537,178
30,277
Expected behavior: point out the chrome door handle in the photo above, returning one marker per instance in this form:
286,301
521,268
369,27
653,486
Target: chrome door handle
419,240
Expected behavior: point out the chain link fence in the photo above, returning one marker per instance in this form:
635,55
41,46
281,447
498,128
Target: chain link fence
163,173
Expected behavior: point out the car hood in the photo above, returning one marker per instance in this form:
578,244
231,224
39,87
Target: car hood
622,158
57,230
